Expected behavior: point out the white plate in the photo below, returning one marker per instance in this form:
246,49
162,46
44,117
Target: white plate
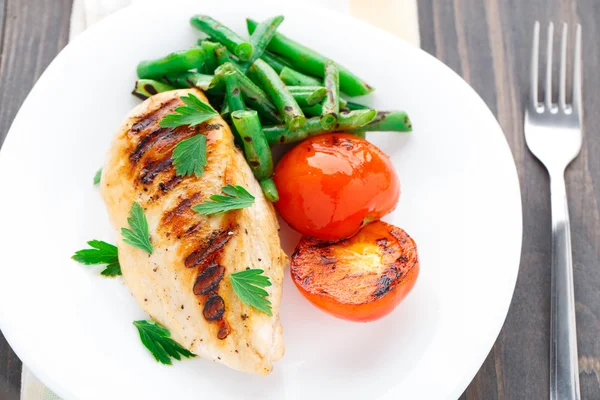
460,201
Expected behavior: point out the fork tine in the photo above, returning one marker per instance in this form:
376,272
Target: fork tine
577,72
548,94
535,51
562,87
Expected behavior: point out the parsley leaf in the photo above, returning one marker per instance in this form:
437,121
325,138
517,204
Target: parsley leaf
100,253
189,156
235,197
112,269
158,340
138,236
97,176
193,113
248,285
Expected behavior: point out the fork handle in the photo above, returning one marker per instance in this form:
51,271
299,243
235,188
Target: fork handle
564,368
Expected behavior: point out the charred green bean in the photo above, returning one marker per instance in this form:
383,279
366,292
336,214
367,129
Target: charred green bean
256,147
145,88
262,35
267,78
233,92
353,106
228,38
331,105
276,62
346,121
317,109
307,96
294,78
178,61
253,95
188,79
309,61
210,61
269,189
392,121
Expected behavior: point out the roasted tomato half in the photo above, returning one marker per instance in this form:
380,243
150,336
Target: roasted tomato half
361,278
331,185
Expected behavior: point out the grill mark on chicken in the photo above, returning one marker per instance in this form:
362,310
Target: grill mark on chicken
207,254
177,220
166,144
153,117
192,229
170,184
147,142
204,260
210,272
214,308
153,168
209,279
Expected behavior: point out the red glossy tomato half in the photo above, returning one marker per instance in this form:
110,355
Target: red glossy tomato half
331,185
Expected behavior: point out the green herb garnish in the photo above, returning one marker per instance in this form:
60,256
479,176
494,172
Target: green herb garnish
157,340
97,176
138,236
234,198
193,113
100,253
189,156
248,285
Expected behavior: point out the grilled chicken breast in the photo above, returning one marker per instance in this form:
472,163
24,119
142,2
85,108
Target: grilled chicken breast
184,285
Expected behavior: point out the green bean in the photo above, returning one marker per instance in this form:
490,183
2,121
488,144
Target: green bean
353,106
317,109
145,88
331,105
210,62
267,78
388,121
219,32
346,121
276,62
179,61
234,102
269,189
188,79
295,78
262,35
307,96
309,61
223,56
256,148
233,92
302,89
362,135
254,96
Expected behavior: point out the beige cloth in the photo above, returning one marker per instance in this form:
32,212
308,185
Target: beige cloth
399,17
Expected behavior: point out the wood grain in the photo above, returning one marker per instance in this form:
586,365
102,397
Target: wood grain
489,44
32,32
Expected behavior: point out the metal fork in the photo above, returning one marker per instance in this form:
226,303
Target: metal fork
553,132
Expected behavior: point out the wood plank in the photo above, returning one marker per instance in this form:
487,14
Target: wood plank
489,44
34,31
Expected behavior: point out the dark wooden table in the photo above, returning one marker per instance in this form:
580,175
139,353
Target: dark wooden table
488,43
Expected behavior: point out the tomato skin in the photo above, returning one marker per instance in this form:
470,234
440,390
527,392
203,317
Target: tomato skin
334,279
330,185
